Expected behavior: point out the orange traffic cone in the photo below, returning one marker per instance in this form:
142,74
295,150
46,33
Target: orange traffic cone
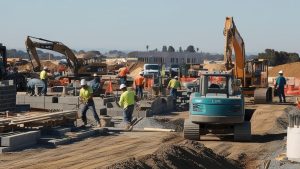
109,89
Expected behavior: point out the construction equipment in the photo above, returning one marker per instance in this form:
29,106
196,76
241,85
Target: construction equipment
252,73
79,68
19,79
218,107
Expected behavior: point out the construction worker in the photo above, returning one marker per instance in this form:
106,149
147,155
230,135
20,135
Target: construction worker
44,78
95,84
127,101
86,98
31,86
123,74
173,85
279,86
139,85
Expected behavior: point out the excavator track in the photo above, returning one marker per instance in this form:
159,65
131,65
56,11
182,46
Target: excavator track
191,130
242,132
263,95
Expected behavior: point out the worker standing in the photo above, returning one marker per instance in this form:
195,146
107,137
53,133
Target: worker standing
173,85
127,101
123,74
86,97
95,84
139,85
44,78
279,86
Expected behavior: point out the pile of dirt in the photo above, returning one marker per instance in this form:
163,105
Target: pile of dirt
52,65
289,70
185,155
136,69
164,123
214,67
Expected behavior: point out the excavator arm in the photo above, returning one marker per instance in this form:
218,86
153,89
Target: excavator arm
50,45
234,41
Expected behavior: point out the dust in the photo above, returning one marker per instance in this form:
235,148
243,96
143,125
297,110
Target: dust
185,155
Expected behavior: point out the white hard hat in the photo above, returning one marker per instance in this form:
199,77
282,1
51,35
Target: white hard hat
83,82
95,74
280,72
122,86
45,68
141,73
176,77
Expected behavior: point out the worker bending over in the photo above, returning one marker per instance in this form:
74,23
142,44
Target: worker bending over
123,74
139,85
127,101
44,78
279,86
86,98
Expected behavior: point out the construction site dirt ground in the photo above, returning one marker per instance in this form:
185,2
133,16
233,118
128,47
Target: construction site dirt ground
269,123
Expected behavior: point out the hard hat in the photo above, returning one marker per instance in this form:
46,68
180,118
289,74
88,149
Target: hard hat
83,82
122,86
141,73
45,67
280,72
95,74
176,77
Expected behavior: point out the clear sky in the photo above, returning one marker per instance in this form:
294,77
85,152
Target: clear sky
133,24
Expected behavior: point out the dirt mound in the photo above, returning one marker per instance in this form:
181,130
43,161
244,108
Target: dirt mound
185,155
214,67
136,69
289,70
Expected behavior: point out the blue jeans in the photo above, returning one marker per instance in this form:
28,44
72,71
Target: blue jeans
173,93
89,105
127,113
281,94
123,80
139,91
44,89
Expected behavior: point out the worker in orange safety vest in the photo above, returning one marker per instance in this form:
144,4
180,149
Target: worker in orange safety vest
139,85
123,74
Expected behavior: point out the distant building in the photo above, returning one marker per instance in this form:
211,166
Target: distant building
169,58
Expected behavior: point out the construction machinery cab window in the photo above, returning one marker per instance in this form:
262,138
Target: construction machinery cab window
217,82
152,67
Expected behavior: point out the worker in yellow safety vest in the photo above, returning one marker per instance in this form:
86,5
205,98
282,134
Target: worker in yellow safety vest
127,101
44,78
173,85
86,98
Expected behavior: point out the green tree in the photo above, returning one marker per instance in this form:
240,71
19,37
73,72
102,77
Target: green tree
190,48
171,49
164,49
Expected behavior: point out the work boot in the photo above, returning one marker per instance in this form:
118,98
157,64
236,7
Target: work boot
128,127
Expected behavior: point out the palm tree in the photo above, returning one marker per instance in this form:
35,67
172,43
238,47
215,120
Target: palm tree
147,47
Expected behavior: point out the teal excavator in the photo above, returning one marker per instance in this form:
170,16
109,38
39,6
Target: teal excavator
219,107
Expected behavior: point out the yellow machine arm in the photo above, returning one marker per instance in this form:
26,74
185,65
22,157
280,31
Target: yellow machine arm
234,41
50,45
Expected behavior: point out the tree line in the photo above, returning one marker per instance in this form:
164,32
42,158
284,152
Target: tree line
278,57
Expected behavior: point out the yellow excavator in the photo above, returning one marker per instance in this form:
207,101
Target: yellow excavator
79,68
252,73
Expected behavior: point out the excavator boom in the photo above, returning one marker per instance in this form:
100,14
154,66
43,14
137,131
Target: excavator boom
234,41
50,45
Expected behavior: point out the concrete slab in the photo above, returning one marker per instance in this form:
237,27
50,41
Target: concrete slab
24,138
56,131
68,100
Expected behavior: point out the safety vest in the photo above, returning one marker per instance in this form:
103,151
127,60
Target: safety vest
123,71
139,81
43,75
